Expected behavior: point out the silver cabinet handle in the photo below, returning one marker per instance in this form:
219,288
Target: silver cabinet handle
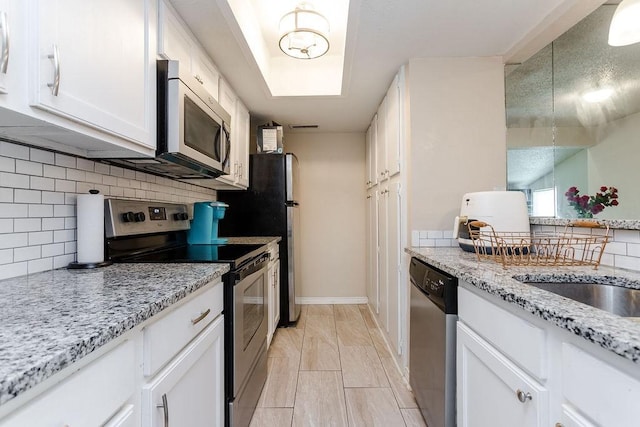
522,396
55,57
559,425
4,57
202,316
199,79
240,168
165,409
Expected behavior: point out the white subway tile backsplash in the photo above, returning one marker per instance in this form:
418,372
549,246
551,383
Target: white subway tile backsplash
6,225
94,177
65,160
129,192
7,164
53,249
6,256
70,247
85,164
119,192
27,196
64,210
38,183
13,240
131,174
13,210
16,151
123,182
52,198
28,168
415,238
435,234
76,175
51,171
630,236
622,261
64,235
63,260
40,238
38,265
40,211
6,195
13,270
616,248
27,253
102,168
116,171
109,180
27,224
42,156
633,249
14,180
54,223
65,186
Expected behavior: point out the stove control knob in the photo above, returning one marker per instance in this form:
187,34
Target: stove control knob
180,216
139,217
128,217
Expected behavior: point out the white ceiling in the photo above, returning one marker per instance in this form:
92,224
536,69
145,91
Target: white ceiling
382,35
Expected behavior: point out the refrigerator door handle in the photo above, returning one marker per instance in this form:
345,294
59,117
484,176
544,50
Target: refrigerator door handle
290,203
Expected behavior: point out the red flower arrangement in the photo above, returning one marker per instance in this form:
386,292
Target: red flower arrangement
588,206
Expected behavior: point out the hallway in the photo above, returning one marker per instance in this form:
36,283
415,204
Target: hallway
334,368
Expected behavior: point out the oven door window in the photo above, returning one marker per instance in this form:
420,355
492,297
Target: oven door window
253,308
201,131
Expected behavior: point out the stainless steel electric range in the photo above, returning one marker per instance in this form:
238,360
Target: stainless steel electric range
156,232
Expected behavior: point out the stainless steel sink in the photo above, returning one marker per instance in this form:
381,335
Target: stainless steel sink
614,299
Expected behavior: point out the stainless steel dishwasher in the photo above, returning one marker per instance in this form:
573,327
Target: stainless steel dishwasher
432,354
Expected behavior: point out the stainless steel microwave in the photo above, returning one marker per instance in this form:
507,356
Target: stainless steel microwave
193,129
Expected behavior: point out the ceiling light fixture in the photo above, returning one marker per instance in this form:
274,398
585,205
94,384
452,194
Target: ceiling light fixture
598,95
303,33
625,24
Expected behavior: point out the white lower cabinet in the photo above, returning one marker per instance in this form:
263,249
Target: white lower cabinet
126,417
189,391
273,293
88,397
493,391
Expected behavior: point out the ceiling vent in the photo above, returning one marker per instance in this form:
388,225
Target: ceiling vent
303,126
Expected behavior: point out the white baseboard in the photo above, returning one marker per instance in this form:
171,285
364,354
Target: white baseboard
331,300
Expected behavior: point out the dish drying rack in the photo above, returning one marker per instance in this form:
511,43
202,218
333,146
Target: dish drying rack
565,248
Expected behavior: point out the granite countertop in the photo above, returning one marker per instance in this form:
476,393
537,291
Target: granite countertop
617,334
50,320
253,240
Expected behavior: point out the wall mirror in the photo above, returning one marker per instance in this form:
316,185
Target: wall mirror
573,120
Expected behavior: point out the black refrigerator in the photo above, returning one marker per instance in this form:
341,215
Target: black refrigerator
270,208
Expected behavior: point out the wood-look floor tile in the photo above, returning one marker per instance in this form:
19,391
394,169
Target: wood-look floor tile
316,309
320,400
320,353
399,386
272,417
287,342
413,418
280,389
379,342
344,312
368,317
320,325
300,324
361,367
353,333
372,407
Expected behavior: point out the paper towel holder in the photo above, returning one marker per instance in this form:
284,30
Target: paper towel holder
89,265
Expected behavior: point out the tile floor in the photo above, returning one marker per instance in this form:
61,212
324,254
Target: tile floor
334,369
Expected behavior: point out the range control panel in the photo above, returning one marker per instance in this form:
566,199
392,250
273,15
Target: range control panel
133,217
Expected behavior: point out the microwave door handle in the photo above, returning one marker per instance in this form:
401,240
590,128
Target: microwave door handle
227,146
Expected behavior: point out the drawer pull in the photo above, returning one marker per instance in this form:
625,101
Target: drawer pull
55,57
165,409
4,58
522,396
202,316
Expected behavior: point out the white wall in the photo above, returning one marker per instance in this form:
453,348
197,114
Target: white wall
458,135
332,213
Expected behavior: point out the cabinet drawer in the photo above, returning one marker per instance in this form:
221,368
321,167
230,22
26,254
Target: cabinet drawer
601,392
522,341
164,338
88,397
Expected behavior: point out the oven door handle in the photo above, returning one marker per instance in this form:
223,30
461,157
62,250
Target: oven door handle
251,267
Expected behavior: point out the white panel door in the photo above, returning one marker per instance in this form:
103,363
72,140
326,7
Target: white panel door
372,251
91,64
242,130
381,141
394,255
492,391
392,128
383,258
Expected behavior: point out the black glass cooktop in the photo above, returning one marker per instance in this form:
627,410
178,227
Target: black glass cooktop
232,254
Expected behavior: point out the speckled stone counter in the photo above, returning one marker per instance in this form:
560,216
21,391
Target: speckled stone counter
617,334
50,320
623,224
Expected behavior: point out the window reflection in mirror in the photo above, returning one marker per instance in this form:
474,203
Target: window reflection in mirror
573,119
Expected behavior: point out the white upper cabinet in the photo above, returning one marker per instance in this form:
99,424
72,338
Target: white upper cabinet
89,63
241,128
392,127
381,141
371,153
6,17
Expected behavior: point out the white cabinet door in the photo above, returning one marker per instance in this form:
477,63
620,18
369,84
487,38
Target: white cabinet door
174,42
372,250
381,141
205,72
7,22
190,390
90,63
492,391
240,144
392,127
571,418
383,259
394,256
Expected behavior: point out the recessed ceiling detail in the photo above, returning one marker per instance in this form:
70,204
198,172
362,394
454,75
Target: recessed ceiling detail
259,21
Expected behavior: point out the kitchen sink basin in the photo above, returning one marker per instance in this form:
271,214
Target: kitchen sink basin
614,299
